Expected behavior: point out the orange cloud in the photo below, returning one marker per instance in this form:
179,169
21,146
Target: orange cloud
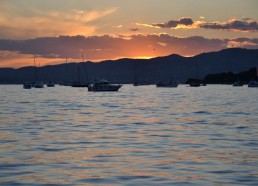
118,26
16,60
74,22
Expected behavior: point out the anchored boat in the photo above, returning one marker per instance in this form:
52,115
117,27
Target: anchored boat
103,85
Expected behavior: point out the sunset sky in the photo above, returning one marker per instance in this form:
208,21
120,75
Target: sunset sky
56,30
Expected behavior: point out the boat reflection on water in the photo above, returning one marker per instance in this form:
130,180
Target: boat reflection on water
79,84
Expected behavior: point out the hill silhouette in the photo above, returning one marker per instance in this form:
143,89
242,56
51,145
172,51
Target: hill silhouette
144,70
230,77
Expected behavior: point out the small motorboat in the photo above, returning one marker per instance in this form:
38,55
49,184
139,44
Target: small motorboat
253,84
103,85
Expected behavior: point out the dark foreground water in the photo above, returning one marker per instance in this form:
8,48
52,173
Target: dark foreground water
137,136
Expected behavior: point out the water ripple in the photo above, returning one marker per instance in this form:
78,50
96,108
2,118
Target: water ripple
137,136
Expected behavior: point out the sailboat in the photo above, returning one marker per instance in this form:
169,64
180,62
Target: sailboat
65,82
29,85
38,83
170,84
78,82
135,82
196,82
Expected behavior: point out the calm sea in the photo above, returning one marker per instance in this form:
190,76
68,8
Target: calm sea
137,136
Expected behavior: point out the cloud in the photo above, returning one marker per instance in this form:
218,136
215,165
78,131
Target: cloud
98,48
174,23
51,23
14,59
240,25
83,15
243,43
118,26
246,25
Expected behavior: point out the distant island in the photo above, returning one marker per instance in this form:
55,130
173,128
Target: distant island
227,77
223,66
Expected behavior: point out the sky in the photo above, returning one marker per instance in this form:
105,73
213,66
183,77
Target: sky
60,31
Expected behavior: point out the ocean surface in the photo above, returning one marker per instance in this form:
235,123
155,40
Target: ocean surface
138,136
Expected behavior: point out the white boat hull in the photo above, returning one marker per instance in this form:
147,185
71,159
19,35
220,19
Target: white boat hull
104,88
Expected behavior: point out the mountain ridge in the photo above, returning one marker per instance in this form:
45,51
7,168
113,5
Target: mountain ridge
152,70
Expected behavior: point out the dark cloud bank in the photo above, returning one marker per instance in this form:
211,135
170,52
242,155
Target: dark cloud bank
107,47
237,25
173,23
246,24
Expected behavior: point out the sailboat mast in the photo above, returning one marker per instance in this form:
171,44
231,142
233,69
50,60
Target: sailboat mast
78,72
197,70
134,71
82,58
86,72
169,71
36,69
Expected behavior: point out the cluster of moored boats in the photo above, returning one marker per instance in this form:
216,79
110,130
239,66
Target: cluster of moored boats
37,84
250,84
104,85
100,85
